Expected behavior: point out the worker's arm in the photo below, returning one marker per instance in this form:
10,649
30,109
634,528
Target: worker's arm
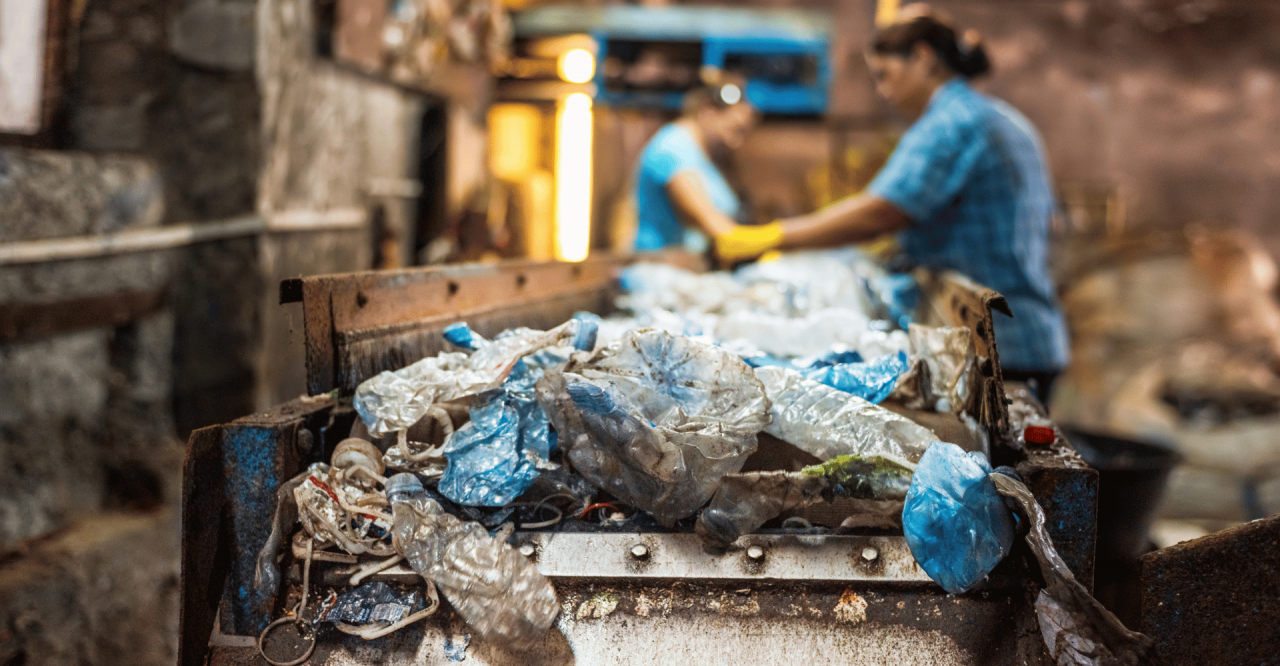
855,219
689,199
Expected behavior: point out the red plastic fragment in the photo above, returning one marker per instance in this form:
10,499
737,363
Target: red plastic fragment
1038,435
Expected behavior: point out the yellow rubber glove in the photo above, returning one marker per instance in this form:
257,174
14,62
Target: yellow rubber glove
748,242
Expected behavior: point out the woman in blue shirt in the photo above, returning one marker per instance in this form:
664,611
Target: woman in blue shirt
967,188
678,184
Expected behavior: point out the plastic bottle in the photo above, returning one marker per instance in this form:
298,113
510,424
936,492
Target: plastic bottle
496,590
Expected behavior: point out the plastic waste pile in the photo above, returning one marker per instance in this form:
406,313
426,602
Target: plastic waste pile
642,420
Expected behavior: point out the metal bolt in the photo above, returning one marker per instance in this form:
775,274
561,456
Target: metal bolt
870,554
755,552
527,550
639,551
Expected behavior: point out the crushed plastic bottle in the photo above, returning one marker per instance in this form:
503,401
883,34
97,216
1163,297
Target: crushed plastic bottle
657,420
954,520
863,477
394,401
827,422
744,502
499,593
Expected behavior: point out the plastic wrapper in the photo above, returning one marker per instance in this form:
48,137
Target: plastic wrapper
1077,630
744,502
657,420
954,521
338,513
374,603
499,592
872,381
393,401
947,352
809,282
827,422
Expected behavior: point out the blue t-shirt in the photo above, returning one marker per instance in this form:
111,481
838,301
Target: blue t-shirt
671,151
971,175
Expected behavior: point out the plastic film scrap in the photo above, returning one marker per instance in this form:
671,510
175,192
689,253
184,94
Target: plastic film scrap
500,593
744,502
393,401
657,420
1076,629
826,422
947,352
954,521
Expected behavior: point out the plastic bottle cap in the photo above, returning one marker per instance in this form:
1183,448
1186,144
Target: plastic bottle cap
1038,435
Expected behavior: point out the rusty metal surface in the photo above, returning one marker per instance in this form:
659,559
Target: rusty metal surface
721,624
358,324
951,299
229,480
750,558
1216,600
1067,489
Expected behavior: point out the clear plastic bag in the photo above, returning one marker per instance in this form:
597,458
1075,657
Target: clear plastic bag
394,401
954,521
656,419
499,592
827,422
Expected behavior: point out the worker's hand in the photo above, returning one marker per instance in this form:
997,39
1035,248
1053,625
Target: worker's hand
747,242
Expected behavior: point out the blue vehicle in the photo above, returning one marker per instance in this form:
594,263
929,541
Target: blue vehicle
649,56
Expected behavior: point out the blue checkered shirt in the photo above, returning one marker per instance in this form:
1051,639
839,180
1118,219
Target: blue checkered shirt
971,175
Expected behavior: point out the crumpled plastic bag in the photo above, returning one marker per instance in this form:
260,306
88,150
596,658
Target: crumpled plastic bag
652,286
827,422
808,282
394,401
845,370
496,456
955,522
899,293
948,353
1076,629
657,420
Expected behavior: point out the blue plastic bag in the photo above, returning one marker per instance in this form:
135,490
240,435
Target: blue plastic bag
955,522
872,381
846,371
494,458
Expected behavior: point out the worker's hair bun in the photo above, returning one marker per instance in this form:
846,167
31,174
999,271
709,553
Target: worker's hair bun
963,52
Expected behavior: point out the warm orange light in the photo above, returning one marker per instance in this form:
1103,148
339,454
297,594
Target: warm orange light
573,177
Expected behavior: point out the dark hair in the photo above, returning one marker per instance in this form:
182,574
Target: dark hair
963,54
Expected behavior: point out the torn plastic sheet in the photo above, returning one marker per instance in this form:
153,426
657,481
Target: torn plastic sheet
827,422
954,521
496,590
813,333
651,286
810,281
1077,630
899,293
948,353
863,477
393,401
498,454
656,419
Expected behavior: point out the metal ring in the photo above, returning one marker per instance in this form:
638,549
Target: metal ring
296,619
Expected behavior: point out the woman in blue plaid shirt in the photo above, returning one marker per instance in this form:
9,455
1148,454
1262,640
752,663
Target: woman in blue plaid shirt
967,188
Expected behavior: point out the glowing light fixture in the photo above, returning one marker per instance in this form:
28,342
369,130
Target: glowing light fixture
573,177
731,94
576,65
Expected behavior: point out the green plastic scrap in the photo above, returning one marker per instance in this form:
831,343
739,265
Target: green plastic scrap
863,477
